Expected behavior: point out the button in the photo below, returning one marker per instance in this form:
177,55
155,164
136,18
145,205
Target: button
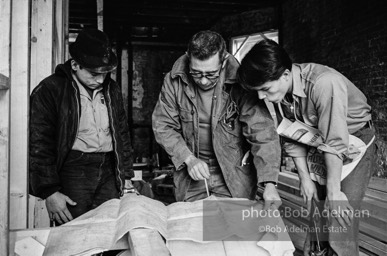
215,97
192,112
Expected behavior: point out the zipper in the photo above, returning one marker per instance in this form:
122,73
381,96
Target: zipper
114,139
191,98
78,106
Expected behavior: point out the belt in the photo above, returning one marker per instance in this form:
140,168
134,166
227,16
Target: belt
211,162
367,125
107,155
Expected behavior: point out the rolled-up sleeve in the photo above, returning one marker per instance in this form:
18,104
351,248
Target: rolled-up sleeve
295,149
259,131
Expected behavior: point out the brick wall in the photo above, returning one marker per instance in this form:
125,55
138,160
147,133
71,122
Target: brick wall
350,36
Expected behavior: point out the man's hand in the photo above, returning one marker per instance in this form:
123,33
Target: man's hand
338,207
197,169
308,191
57,207
271,197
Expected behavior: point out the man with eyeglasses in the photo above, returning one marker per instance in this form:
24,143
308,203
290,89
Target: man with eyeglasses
208,124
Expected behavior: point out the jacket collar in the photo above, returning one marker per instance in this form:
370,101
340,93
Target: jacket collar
298,87
64,69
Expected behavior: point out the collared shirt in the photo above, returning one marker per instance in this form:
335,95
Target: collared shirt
328,101
94,129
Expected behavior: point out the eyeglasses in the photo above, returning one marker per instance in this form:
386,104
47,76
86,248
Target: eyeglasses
210,76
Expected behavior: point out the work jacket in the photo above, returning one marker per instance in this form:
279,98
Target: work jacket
239,123
54,120
328,101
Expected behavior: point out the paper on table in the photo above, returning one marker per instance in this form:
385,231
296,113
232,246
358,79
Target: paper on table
102,228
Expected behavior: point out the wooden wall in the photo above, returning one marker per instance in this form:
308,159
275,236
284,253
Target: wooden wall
5,21
32,42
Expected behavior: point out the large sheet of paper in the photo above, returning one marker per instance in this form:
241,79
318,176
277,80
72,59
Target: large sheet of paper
107,226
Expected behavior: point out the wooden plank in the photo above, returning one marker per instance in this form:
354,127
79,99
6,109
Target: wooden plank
19,98
373,246
42,17
65,6
147,242
113,74
48,42
125,78
289,178
378,184
5,23
59,33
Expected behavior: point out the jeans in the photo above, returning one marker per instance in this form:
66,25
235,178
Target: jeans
216,185
89,180
354,187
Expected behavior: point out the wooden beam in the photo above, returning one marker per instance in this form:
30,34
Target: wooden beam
100,14
18,128
5,24
124,78
59,29
66,8
41,40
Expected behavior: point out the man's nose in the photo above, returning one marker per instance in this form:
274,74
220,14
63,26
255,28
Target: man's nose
261,95
204,80
100,78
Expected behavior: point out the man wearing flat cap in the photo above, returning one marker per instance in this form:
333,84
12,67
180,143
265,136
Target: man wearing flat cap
80,146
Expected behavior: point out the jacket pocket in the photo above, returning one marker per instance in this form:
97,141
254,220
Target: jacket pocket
187,124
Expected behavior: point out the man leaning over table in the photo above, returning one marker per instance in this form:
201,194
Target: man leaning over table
207,124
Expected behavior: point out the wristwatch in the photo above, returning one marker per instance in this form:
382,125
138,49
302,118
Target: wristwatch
272,182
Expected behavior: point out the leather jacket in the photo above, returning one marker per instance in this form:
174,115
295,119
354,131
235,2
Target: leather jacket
240,122
54,119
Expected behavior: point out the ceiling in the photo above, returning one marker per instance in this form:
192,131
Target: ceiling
157,21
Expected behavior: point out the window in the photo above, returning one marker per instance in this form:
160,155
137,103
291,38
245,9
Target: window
242,44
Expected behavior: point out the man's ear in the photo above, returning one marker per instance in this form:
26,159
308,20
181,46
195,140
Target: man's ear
225,56
74,65
286,74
